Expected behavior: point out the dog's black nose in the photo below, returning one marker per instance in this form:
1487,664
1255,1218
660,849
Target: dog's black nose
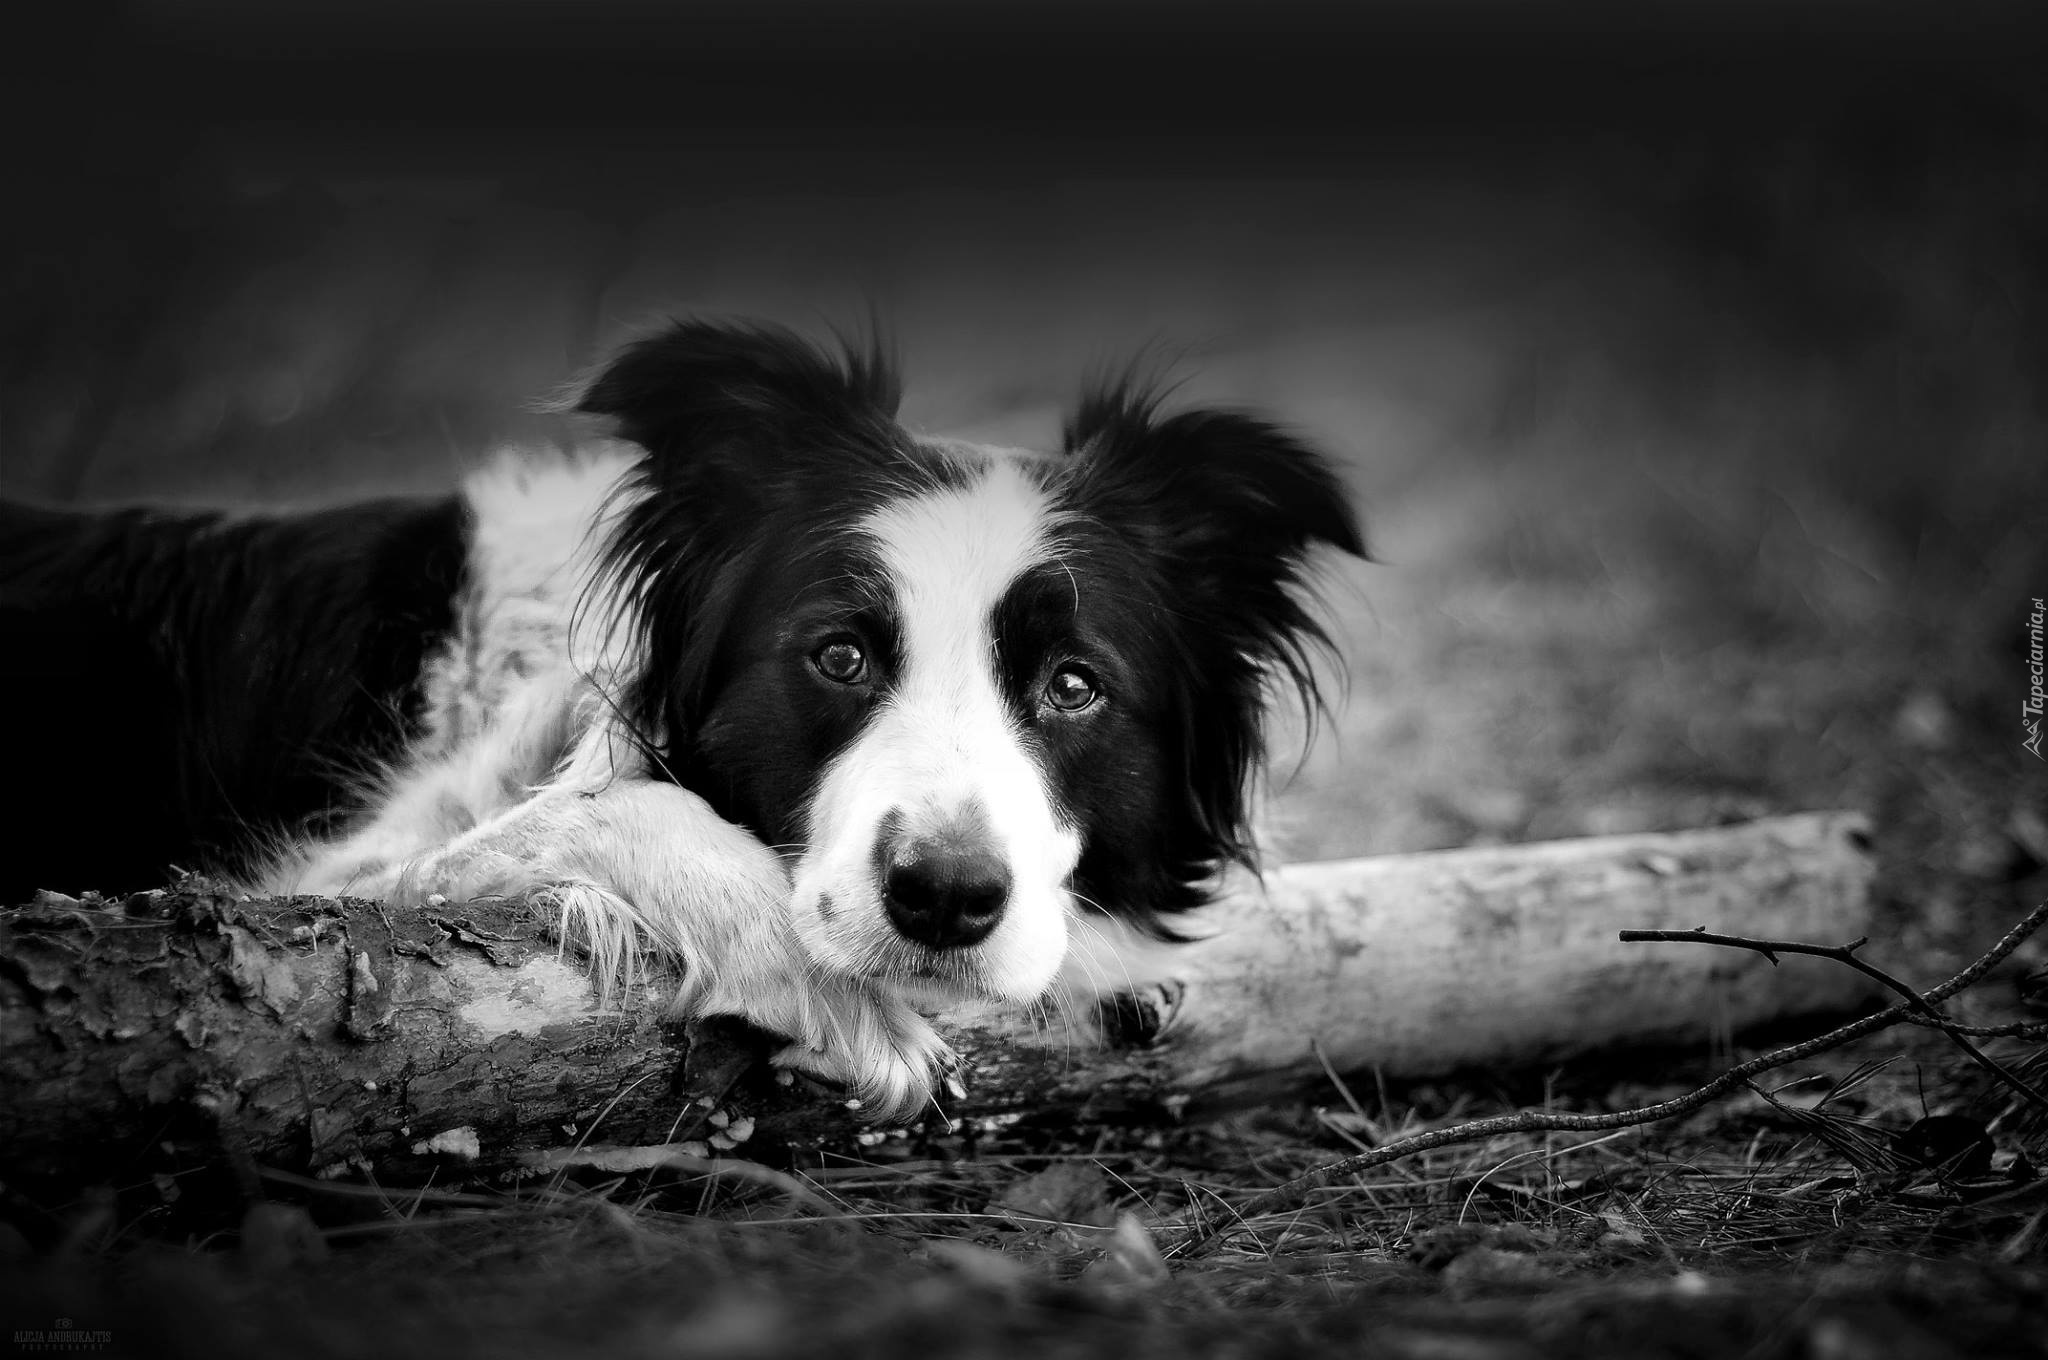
945,895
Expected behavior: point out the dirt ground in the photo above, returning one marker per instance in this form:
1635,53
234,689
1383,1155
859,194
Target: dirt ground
1702,453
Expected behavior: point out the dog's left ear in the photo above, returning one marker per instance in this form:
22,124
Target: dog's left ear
1232,500
1223,509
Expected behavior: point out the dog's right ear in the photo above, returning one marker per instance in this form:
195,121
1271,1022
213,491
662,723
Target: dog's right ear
733,416
704,391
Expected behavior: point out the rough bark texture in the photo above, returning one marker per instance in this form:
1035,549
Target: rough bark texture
328,1036
318,1035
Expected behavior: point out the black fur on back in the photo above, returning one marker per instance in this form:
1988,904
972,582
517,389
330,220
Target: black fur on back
188,686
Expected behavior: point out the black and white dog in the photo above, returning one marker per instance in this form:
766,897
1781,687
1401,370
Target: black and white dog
842,722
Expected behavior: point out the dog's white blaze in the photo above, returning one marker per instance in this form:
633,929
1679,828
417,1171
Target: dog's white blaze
944,744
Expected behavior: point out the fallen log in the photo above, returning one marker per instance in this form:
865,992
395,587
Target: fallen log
323,1037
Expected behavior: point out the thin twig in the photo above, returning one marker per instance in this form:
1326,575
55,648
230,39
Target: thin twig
1203,1235
1846,953
2017,1029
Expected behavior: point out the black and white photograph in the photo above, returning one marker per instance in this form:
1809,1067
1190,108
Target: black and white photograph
810,679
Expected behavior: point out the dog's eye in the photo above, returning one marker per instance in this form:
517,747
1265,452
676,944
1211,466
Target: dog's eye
841,662
1071,690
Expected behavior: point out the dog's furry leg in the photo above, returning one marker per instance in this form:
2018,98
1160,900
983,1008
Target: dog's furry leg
637,867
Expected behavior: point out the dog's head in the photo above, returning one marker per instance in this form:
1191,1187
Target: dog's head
972,693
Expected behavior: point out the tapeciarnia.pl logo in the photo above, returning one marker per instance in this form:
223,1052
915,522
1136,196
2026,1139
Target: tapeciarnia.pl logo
2030,711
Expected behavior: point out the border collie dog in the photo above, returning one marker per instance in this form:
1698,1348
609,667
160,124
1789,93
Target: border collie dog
835,722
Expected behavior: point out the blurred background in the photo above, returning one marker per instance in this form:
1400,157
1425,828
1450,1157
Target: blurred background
1687,360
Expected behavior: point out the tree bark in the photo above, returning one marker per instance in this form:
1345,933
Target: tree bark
326,1036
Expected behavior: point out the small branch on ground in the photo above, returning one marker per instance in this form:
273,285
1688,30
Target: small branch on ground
2017,1029
1204,1234
1846,954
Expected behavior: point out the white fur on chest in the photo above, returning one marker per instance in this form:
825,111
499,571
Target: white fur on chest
538,526
518,697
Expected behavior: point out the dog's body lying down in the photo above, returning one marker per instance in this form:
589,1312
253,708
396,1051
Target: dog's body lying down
839,721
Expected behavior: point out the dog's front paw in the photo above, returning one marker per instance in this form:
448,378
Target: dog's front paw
875,1045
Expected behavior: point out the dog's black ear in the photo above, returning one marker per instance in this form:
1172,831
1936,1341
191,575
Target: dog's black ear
733,416
1222,510
1229,496
699,388
1231,505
